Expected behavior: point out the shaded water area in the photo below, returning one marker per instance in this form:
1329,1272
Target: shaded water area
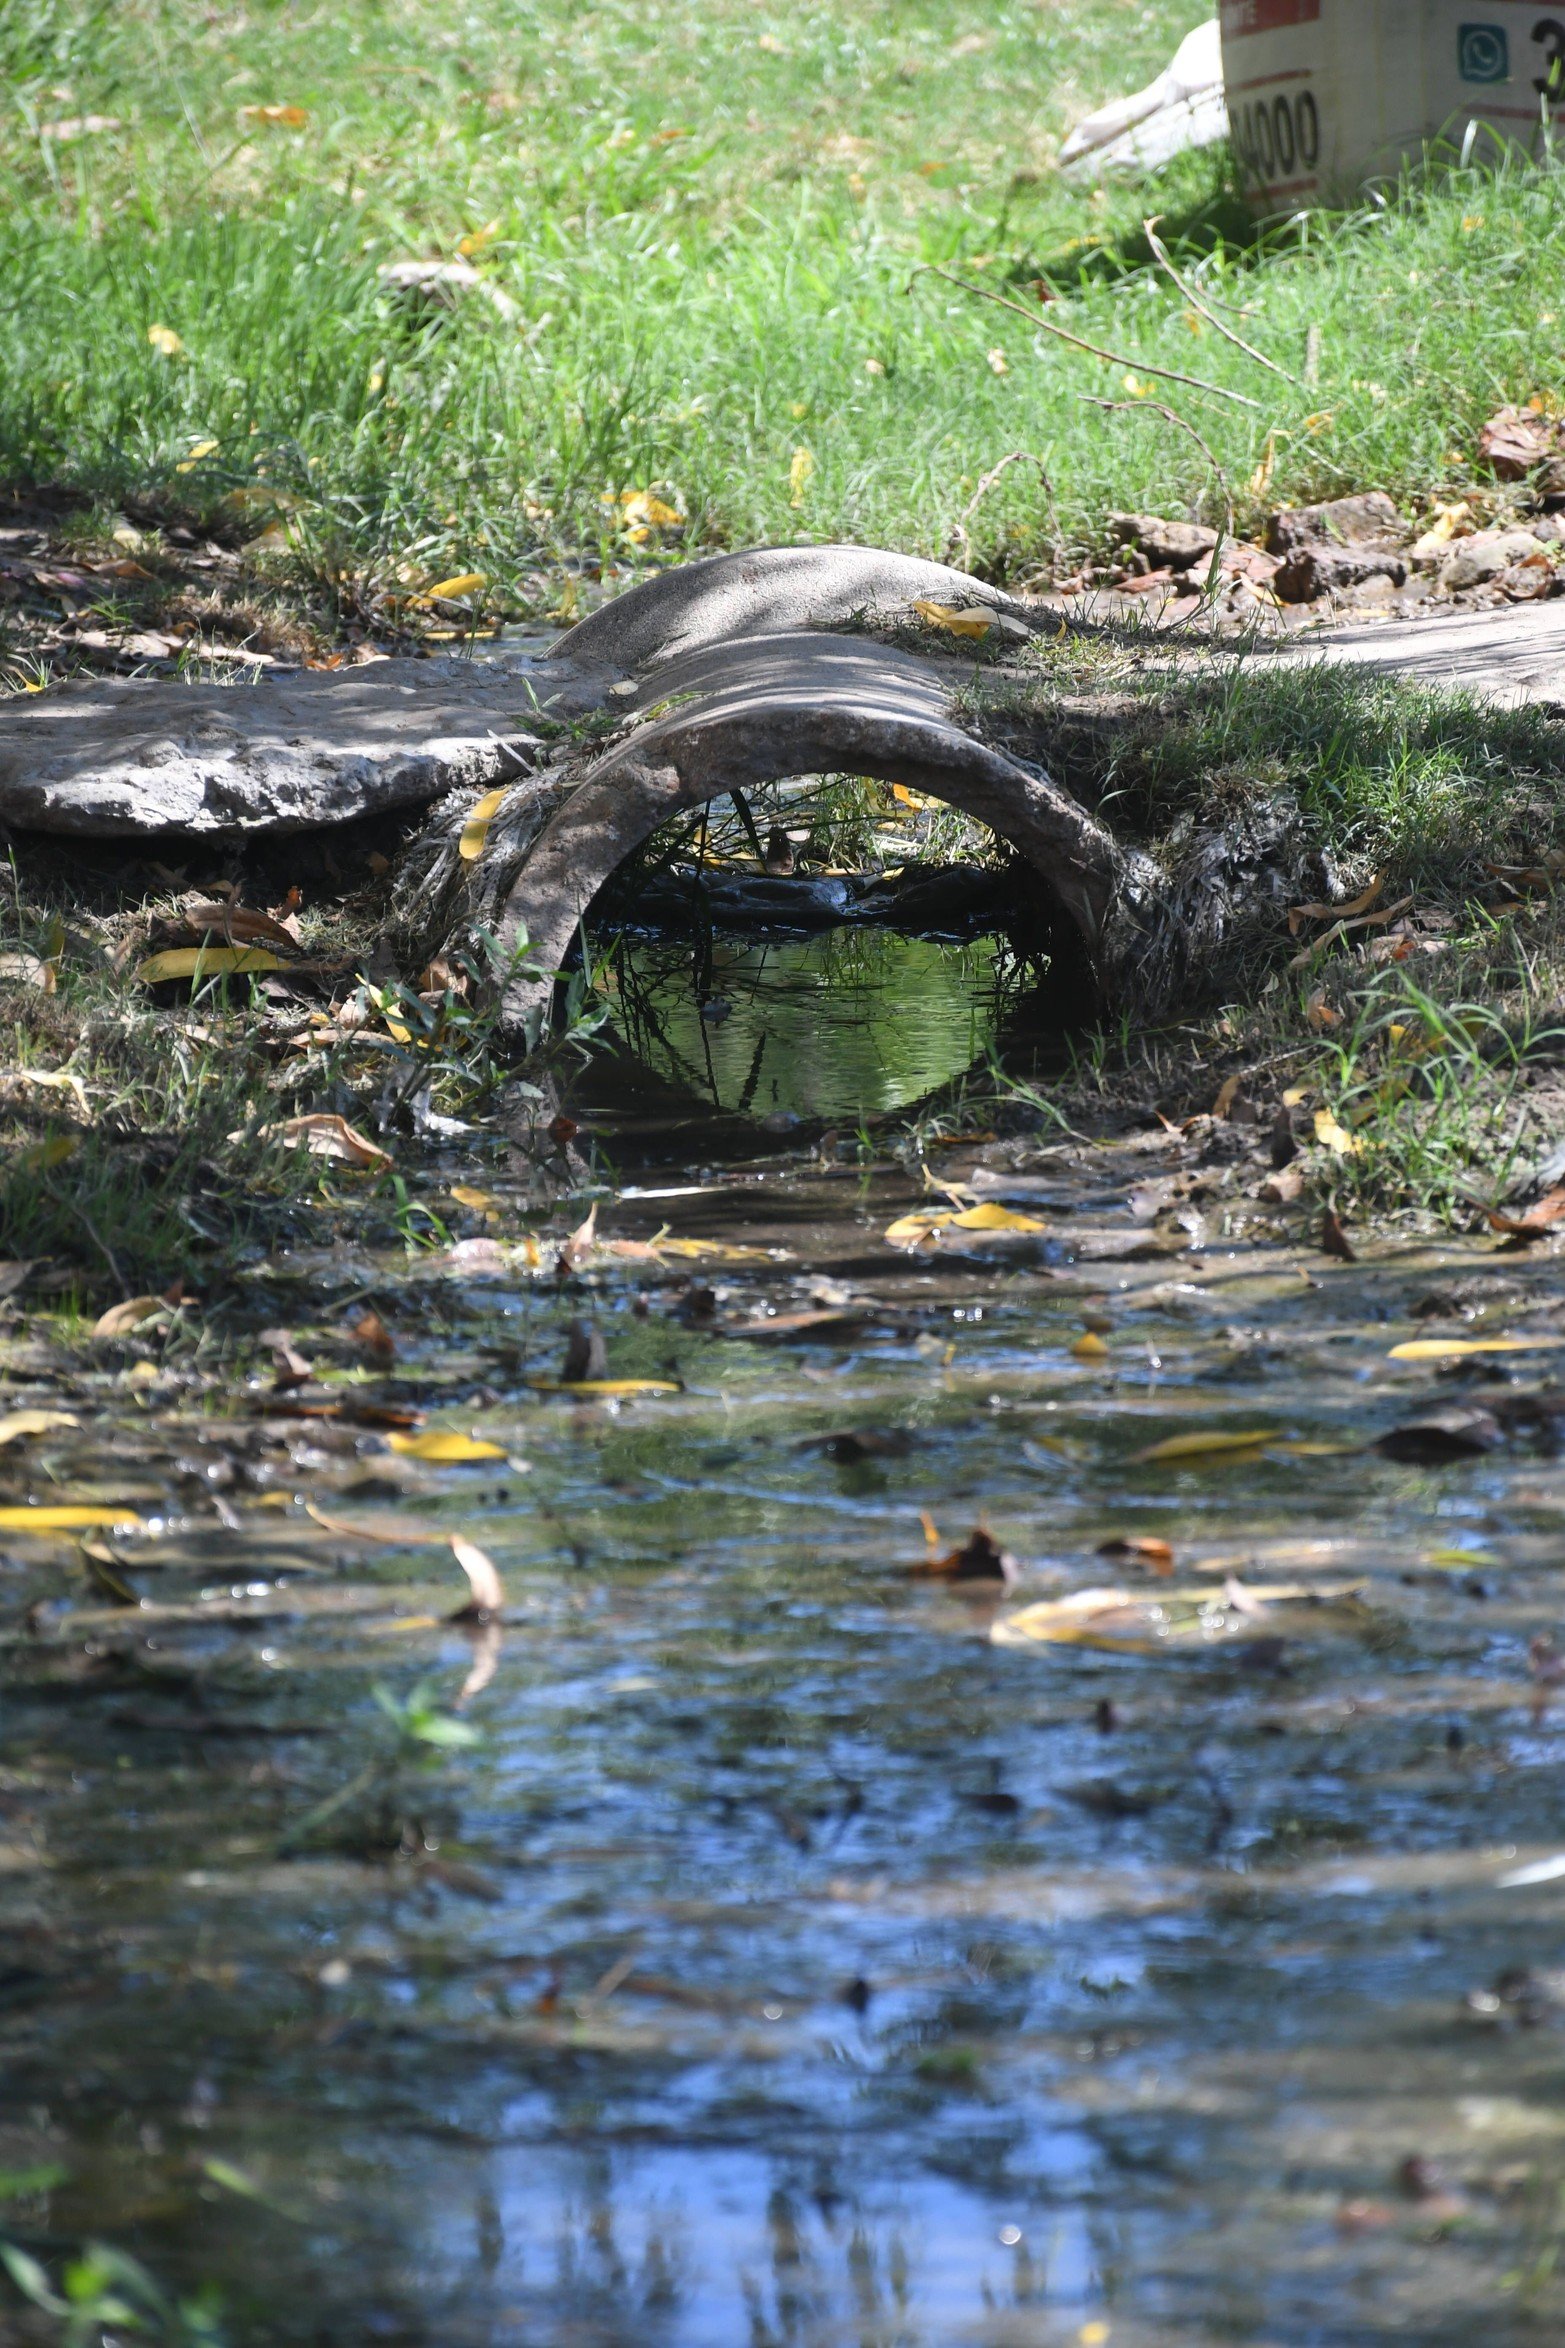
847,1023
787,1960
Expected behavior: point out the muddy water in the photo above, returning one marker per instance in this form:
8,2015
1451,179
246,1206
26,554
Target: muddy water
788,1961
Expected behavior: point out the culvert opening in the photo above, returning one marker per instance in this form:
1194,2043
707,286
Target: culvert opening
827,948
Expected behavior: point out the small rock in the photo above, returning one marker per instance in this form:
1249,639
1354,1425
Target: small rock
1369,520
1170,546
1441,1436
1319,568
1485,555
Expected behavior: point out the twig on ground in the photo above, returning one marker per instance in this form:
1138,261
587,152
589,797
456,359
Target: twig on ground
1018,456
1078,342
1156,407
93,1233
1160,255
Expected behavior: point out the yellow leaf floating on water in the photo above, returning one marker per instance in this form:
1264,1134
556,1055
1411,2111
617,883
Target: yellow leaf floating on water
1437,1349
1208,1446
17,1423
480,1200
68,1519
925,1223
1335,1137
955,619
444,1447
1131,1622
603,1386
701,1250
198,962
475,832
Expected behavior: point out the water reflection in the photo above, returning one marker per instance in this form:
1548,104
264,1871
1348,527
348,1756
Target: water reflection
842,1024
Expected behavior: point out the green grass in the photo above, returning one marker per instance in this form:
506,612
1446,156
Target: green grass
707,217
1429,787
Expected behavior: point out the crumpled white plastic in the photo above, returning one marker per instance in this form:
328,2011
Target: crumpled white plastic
1183,108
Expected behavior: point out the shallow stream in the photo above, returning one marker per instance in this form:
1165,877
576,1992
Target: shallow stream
787,1961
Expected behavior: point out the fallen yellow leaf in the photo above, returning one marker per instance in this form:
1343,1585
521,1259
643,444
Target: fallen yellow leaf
700,1250
603,1386
475,832
279,117
188,463
444,1447
16,1423
1435,1349
1335,1137
199,962
799,473
40,1156
164,339
466,1196
467,246
1208,1446
640,506
915,1229
67,1519
954,619
1089,1347
446,590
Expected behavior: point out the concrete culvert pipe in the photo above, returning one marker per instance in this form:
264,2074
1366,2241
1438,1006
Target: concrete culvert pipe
741,715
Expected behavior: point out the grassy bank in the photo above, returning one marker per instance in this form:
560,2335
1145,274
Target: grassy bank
695,232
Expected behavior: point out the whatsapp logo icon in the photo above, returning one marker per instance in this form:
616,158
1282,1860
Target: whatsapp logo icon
1483,53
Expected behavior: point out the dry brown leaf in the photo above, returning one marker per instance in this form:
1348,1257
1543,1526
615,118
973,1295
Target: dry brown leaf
16,1423
488,1592
1143,1548
241,924
370,1333
581,1242
979,1559
120,1319
1334,1240
1228,1093
1537,1222
326,1135
1299,914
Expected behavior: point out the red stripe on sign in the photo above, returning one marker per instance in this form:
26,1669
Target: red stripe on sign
1266,16
1270,81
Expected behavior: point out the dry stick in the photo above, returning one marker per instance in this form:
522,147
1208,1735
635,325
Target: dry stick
1113,358
1160,255
1155,407
1018,456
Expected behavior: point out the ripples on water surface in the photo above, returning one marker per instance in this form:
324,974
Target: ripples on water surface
788,1963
